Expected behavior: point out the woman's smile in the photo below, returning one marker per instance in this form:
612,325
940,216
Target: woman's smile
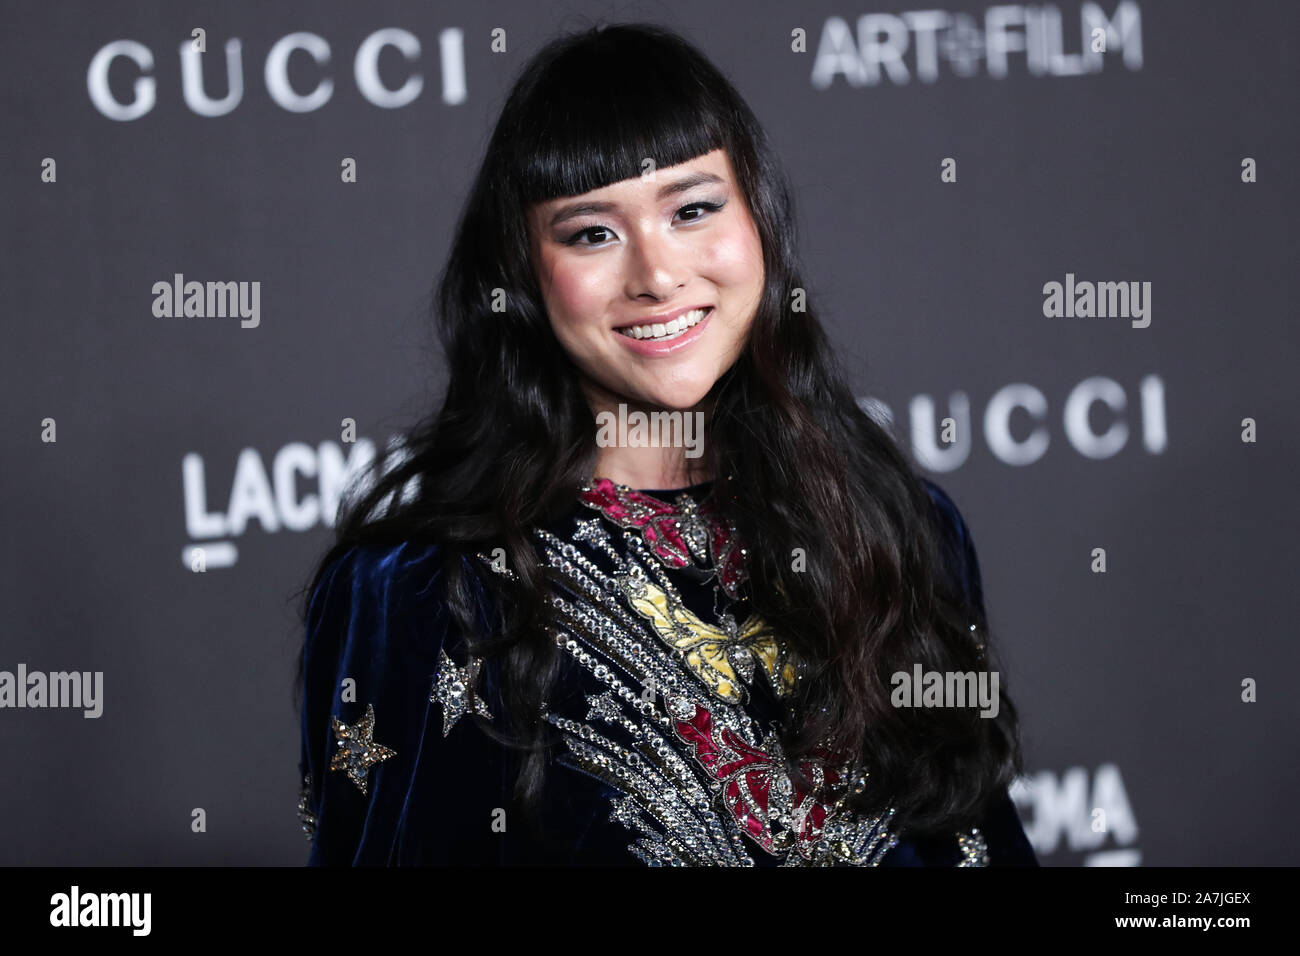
666,338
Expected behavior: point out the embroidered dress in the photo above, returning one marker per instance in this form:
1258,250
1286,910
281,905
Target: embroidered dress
668,706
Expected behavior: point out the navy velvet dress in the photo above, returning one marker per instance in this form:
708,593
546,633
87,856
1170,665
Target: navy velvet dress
668,691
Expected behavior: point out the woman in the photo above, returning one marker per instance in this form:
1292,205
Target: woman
536,643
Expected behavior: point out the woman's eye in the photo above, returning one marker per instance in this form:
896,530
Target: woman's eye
699,207
574,240
705,206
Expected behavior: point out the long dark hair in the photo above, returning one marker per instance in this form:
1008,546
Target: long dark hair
800,465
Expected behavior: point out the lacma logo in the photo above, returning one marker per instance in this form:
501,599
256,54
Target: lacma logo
270,495
1097,820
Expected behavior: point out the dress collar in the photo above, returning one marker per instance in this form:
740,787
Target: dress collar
684,531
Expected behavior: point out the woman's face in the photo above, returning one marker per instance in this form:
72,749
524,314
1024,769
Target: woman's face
647,253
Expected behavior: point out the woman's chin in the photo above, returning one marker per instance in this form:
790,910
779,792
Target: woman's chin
677,402
641,391
681,396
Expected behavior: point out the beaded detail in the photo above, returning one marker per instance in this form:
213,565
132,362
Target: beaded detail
305,816
357,751
717,655
974,849
454,691
679,534
697,780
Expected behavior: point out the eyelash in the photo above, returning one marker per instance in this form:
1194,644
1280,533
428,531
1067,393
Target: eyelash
573,240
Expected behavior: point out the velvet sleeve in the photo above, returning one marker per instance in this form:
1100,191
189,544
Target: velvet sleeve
376,624
1001,827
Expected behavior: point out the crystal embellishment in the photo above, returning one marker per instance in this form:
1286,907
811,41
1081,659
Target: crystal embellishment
305,816
974,848
671,724
454,690
357,751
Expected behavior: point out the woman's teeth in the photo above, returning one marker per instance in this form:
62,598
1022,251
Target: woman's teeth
665,330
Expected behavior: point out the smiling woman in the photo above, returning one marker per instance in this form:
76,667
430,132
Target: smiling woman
529,645
651,285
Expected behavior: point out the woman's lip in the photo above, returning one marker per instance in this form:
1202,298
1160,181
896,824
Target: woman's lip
668,346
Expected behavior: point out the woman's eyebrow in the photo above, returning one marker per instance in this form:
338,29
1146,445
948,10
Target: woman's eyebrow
689,181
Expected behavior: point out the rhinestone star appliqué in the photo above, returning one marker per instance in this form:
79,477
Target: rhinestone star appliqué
454,690
357,751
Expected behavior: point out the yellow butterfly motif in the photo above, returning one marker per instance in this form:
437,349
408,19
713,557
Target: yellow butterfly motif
713,654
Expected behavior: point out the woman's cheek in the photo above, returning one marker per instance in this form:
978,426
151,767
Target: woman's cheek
578,294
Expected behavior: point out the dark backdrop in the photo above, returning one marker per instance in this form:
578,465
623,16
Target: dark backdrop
1073,433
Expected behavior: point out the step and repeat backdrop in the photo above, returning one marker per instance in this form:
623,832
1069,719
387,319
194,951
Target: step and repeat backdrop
991,197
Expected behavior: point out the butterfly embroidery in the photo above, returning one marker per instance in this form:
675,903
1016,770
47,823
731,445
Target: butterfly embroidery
717,656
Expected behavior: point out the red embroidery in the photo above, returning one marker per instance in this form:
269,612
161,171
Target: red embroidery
727,557
748,776
663,527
